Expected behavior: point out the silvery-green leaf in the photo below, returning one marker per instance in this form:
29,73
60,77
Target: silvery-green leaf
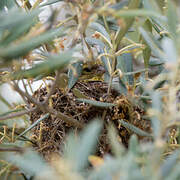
98,27
171,55
74,74
77,150
96,103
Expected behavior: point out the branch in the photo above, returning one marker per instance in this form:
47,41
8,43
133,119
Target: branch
66,118
14,115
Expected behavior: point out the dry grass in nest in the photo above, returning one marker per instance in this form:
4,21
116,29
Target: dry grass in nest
52,131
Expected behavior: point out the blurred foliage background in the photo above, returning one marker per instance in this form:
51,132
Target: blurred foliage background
129,50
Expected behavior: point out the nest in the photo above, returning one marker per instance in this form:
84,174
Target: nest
52,131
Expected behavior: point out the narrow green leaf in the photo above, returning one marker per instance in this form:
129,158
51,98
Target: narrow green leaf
50,65
116,147
151,5
101,50
119,5
133,145
172,19
7,4
159,84
33,125
93,41
96,103
133,4
79,94
139,12
74,73
147,51
155,62
169,164
15,51
77,150
157,106
8,21
119,85
32,163
133,128
171,54
11,111
17,32
151,42
125,64
100,28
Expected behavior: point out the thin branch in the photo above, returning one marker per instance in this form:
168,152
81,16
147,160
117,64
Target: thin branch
13,149
65,118
5,101
23,94
53,86
43,107
14,115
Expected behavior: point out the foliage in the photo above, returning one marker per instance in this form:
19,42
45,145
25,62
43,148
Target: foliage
132,46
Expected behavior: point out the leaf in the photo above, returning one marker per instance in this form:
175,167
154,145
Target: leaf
100,28
147,51
116,147
96,103
155,62
50,65
101,50
77,150
125,64
159,84
7,22
74,73
172,19
15,51
171,54
133,128
62,81
133,145
17,33
11,111
79,94
93,41
119,5
129,21
34,124
7,3
31,163
157,106
169,164
119,85
139,12
151,42
151,5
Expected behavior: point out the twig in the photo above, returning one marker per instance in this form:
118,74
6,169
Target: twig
13,149
5,101
65,118
14,115
16,88
43,107
30,98
53,86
